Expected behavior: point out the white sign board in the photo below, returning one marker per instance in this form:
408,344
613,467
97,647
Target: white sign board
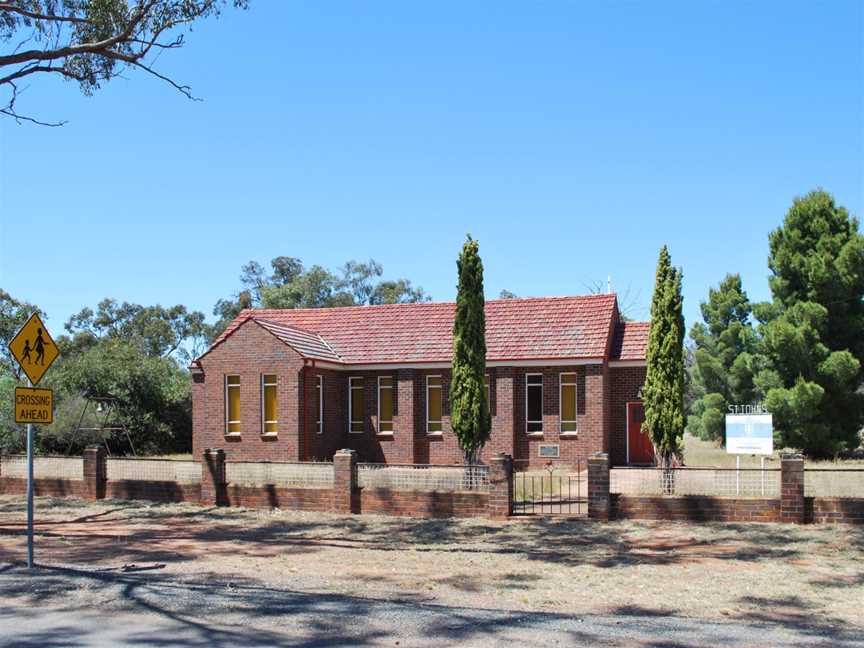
749,434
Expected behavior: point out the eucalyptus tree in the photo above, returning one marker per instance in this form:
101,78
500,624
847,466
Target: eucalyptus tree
91,42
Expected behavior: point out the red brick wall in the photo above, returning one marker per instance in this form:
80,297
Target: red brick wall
154,491
324,445
373,445
432,504
435,448
826,510
694,508
117,489
625,383
44,487
291,499
249,352
409,442
590,415
502,389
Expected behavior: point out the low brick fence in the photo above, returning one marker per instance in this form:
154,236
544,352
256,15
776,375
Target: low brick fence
44,487
156,480
694,508
825,510
426,491
55,476
788,505
272,496
418,491
431,504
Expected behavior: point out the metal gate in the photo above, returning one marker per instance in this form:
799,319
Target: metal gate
551,491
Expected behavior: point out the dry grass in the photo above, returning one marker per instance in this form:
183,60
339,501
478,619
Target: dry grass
742,571
708,453
540,485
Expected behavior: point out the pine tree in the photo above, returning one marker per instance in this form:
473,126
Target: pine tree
813,332
469,411
663,392
724,344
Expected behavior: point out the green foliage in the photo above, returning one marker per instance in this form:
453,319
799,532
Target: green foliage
151,399
127,353
11,434
157,330
817,256
469,411
663,392
396,292
804,358
810,389
723,363
812,339
291,285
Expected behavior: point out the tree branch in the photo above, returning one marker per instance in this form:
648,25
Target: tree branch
33,69
19,118
84,48
10,111
84,45
5,6
185,89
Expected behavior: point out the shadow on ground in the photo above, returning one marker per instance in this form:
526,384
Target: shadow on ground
156,610
139,532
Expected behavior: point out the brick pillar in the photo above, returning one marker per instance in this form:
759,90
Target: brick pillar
95,472
792,488
213,489
199,410
403,424
598,486
344,481
500,505
606,376
504,422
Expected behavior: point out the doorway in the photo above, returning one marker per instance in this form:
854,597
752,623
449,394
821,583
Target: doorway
640,450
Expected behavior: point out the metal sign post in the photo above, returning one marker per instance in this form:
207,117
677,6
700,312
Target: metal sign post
29,492
35,351
737,475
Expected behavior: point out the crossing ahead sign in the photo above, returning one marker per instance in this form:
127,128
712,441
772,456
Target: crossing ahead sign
34,349
749,434
34,406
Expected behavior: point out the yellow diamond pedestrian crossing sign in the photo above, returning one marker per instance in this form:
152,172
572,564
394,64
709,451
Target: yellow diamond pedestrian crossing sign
34,349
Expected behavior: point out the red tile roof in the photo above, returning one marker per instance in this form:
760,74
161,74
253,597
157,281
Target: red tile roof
630,341
544,328
307,344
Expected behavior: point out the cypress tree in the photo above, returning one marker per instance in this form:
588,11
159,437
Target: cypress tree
663,392
469,411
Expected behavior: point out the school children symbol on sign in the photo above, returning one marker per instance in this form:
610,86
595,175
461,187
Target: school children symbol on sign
34,349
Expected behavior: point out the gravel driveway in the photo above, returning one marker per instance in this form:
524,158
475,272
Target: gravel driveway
128,573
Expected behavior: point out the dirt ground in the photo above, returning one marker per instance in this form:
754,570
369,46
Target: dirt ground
768,572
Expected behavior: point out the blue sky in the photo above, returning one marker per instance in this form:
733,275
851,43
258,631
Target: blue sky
571,139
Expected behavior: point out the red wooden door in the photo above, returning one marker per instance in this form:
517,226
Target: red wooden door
640,450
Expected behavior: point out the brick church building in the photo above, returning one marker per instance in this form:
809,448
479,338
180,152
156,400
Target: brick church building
564,376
